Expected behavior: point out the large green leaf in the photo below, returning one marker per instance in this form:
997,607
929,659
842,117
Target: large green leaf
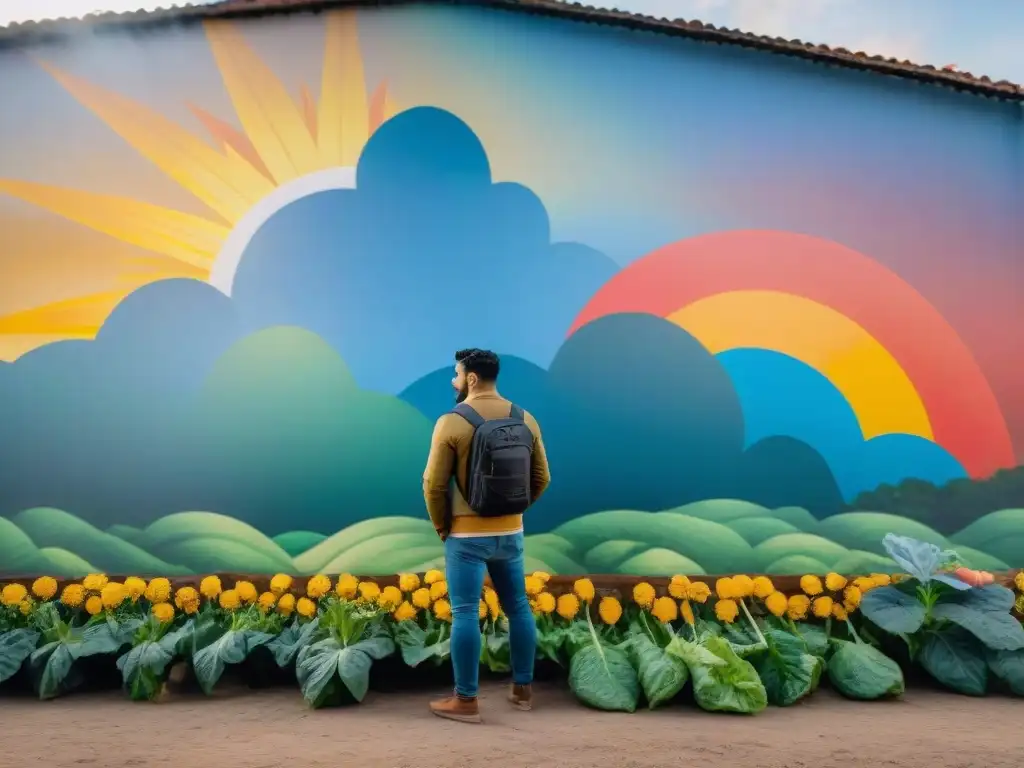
15,646
600,674
731,684
662,675
893,610
51,663
418,645
787,671
815,638
985,613
232,647
1008,666
495,651
861,671
327,662
287,644
143,666
954,657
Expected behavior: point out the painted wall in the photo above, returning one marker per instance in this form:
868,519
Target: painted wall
770,306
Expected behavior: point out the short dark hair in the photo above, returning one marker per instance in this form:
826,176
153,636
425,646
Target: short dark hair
484,363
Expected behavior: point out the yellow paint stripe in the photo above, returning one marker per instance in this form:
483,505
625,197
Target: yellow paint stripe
344,113
227,184
869,377
268,114
189,239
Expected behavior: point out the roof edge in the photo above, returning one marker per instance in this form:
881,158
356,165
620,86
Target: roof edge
56,29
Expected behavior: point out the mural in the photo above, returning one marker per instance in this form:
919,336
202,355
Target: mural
764,311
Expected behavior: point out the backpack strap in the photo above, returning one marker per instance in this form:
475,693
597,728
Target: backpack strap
517,413
467,412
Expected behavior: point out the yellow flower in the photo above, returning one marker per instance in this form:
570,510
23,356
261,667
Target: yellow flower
584,589
665,610
544,577
851,598
164,612
73,595
318,586
686,611
1018,581
811,584
763,587
406,611
610,610
113,594
545,602
93,605
725,588
368,591
44,587
431,576
881,579
534,586
266,602
835,582
158,590
776,603
699,592
864,583
94,582
408,582
822,607
390,598
438,589
25,606
727,610
280,584
839,612
210,587
247,592
229,600
568,606
744,585
13,594
136,587
798,607
643,594
286,604
677,587
443,610
421,598
306,608
187,600
482,610
348,586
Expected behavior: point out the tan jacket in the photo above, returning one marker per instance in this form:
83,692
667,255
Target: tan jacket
449,451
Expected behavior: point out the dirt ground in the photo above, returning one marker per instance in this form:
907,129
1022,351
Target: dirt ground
273,729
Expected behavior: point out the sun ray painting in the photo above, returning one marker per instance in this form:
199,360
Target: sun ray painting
278,140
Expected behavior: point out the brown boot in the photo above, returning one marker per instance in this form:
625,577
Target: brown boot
521,697
459,708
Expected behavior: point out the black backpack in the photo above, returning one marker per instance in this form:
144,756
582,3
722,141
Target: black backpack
500,459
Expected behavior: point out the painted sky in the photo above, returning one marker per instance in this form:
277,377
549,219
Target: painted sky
983,38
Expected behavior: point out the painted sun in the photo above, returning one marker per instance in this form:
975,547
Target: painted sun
282,145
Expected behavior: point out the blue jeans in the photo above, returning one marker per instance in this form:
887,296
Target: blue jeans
465,561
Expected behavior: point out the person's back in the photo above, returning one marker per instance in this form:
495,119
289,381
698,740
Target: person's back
487,465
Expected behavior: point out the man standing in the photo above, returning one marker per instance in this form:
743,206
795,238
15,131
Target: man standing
492,449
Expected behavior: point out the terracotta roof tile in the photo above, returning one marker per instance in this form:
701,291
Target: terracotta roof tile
948,76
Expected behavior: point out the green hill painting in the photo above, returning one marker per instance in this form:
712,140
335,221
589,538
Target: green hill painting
708,537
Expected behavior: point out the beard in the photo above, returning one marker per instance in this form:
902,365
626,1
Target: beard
461,394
